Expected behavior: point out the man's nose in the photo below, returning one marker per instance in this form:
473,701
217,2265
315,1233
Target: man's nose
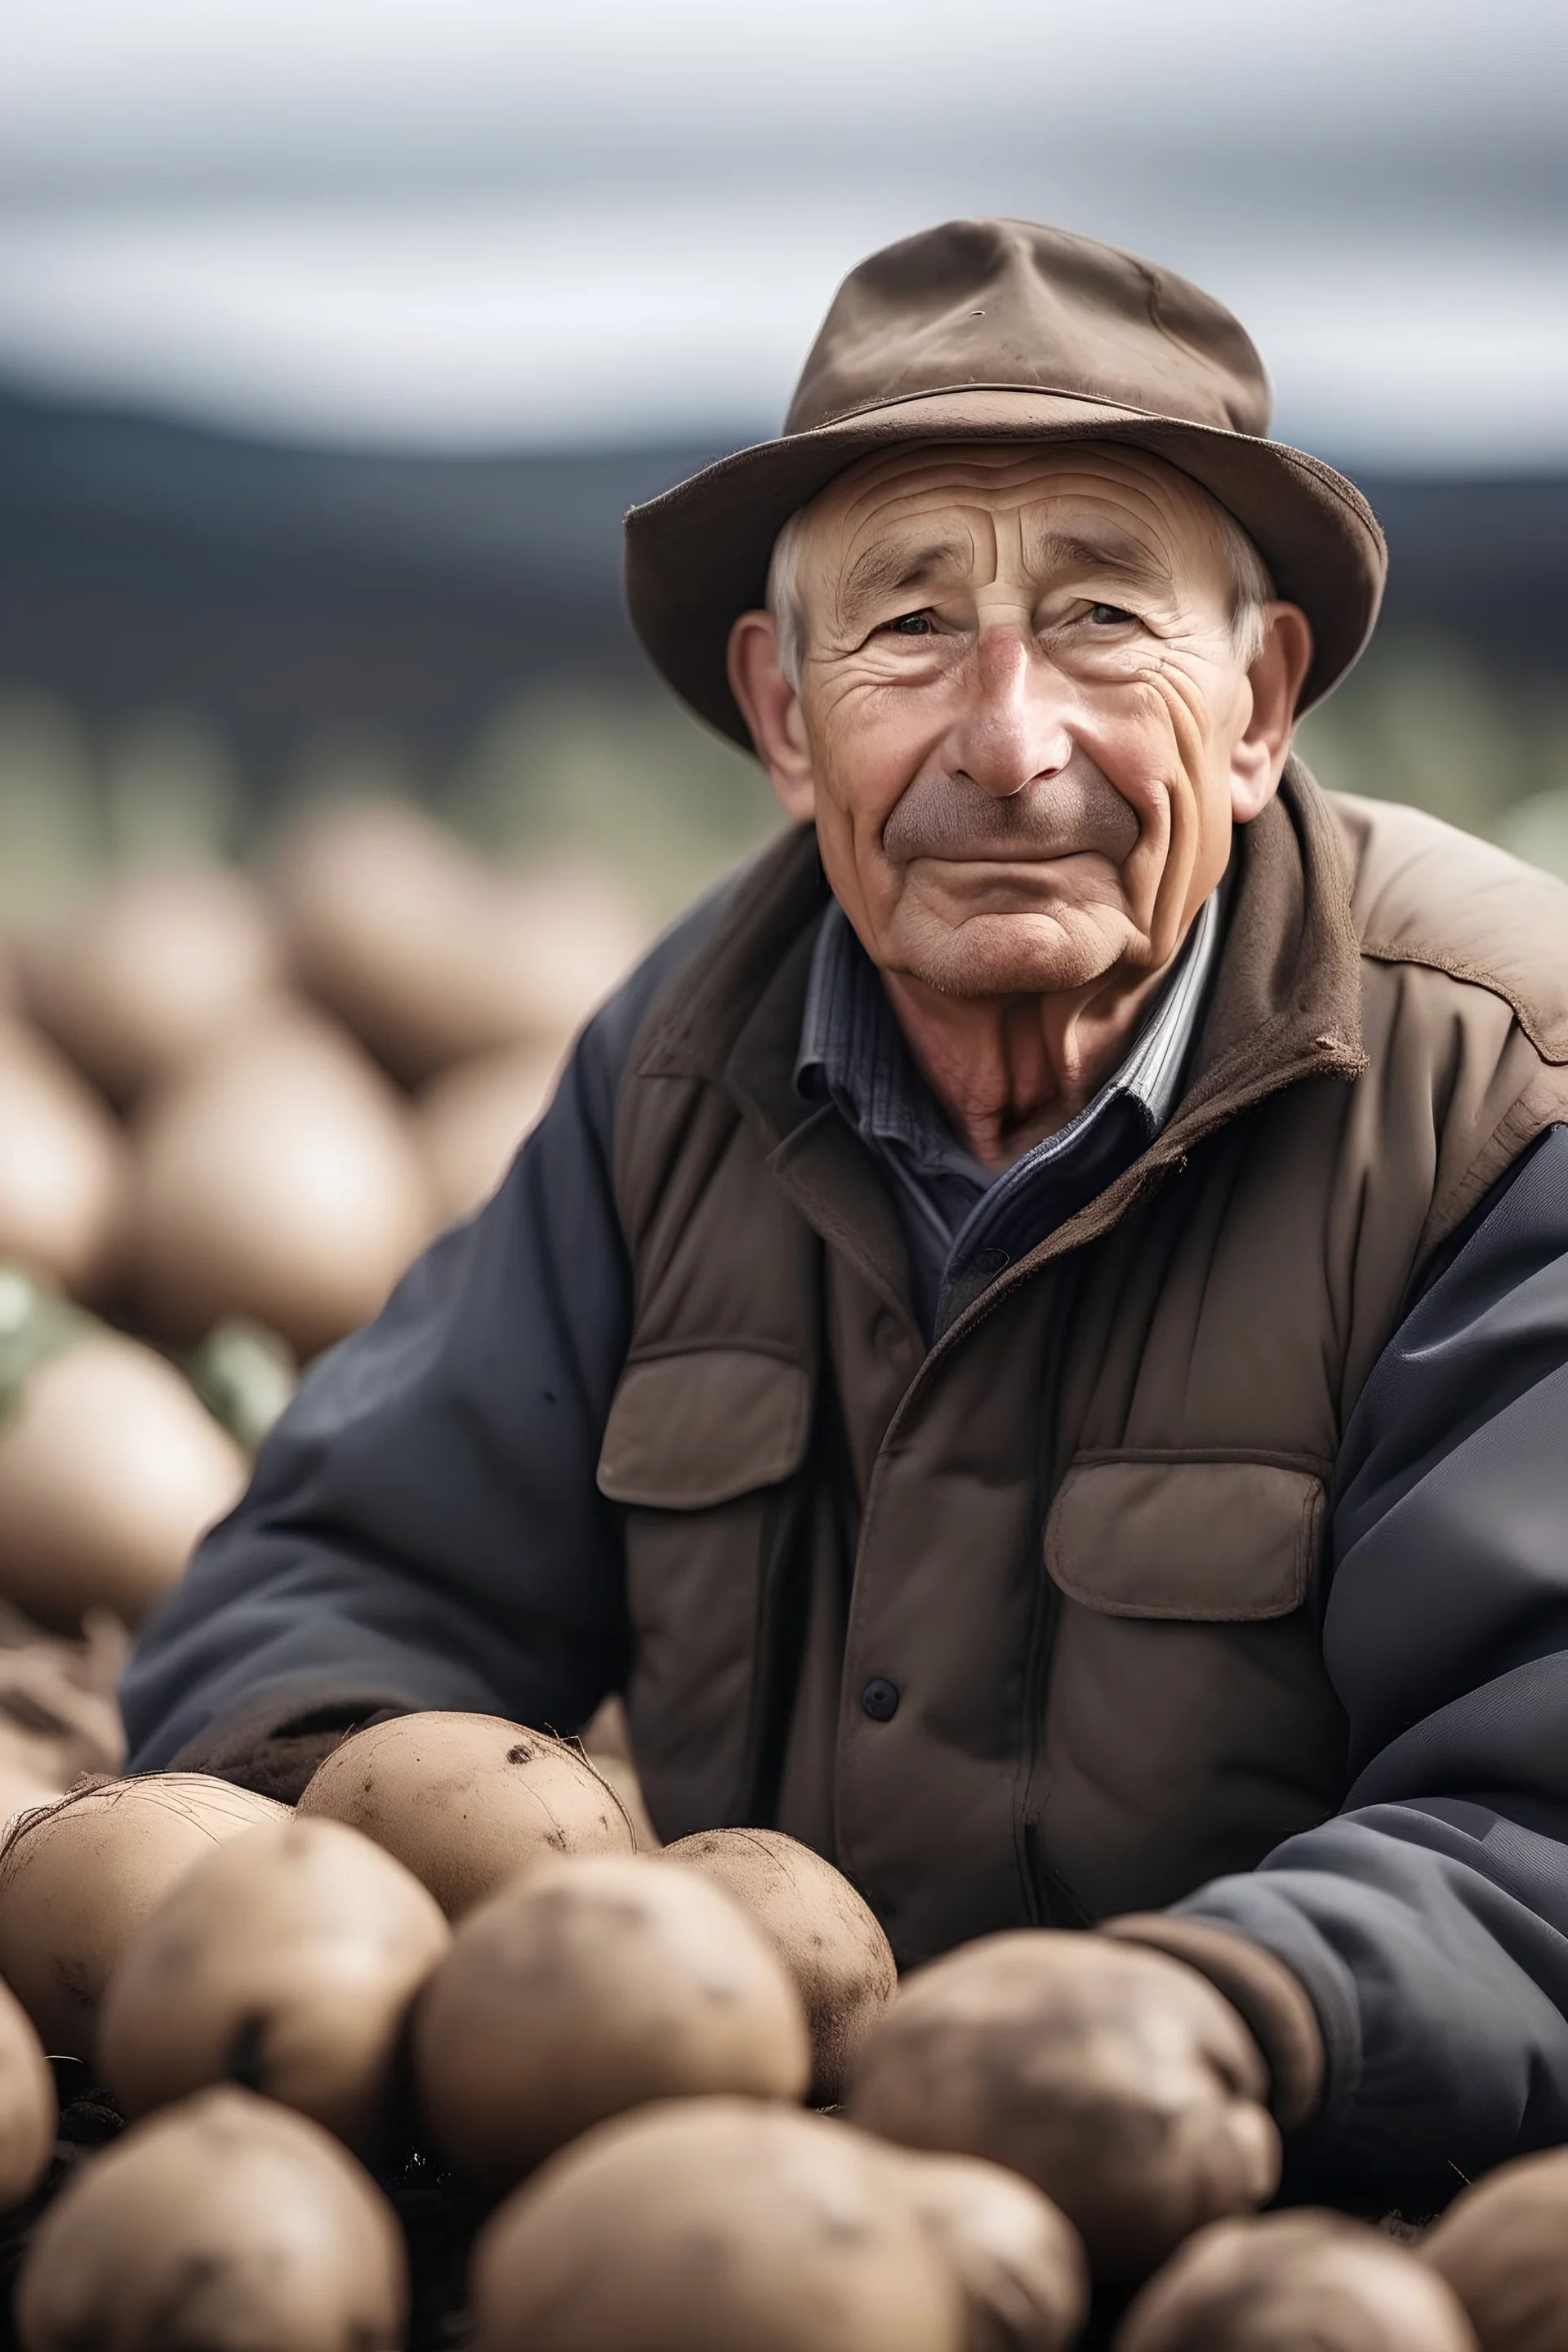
1013,731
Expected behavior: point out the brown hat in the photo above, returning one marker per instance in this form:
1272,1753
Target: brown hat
996,330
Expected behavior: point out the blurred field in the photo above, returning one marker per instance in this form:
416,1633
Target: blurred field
619,779
1425,719
611,777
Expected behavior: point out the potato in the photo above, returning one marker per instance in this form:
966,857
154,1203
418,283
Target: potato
62,1166
714,2225
112,1470
28,2110
77,1880
284,1961
621,1779
25,1785
465,1801
1502,2246
830,1941
274,1176
472,1116
150,970
58,1717
429,956
226,2223
1021,2263
589,1986
578,931
392,924
1298,2281
1116,2079
605,1741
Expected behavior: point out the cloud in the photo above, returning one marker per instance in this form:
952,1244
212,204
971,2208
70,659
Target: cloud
485,224
128,94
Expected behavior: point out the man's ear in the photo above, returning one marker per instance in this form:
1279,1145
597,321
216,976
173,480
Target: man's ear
771,709
1276,678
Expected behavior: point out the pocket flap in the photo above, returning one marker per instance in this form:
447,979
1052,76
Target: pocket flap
1229,1540
687,1431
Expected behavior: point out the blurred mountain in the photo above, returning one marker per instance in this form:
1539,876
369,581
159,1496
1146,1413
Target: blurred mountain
282,590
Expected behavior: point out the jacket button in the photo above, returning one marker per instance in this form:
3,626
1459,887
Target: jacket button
880,1699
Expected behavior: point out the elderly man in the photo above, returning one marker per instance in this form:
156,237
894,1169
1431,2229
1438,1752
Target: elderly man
1030,1342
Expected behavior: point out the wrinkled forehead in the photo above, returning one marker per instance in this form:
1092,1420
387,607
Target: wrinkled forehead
1053,485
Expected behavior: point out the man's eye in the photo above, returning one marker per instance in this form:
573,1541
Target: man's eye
1108,616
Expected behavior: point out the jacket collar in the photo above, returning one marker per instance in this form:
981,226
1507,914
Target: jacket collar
1285,1006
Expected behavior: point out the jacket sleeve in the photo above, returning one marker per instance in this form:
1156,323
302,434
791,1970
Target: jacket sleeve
1428,1920
423,1529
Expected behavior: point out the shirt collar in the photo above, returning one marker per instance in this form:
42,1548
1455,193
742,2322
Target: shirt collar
853,1052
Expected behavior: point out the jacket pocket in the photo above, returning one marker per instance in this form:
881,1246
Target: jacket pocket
691,1430
700,1451
1222,1538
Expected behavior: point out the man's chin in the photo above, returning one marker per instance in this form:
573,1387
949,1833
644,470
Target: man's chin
1015,954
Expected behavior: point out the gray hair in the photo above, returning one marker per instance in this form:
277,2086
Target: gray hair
1252,587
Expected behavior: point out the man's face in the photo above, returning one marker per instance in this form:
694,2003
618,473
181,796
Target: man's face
1022,712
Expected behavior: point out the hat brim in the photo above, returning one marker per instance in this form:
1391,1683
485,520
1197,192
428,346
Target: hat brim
697,557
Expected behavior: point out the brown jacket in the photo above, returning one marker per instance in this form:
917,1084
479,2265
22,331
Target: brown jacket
1082,1535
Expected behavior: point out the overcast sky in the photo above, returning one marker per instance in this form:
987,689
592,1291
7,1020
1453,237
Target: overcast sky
486,224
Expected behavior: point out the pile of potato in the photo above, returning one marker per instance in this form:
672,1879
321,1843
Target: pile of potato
232,1111
679,2094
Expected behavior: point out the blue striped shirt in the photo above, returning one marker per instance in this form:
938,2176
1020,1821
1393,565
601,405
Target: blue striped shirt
963,1222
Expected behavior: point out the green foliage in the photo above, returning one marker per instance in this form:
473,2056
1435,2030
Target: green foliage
52,847
625,778
171,793
246,1377
1424,721
36,1325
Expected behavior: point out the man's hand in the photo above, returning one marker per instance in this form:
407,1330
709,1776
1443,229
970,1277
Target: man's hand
1118,2079
274,1744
